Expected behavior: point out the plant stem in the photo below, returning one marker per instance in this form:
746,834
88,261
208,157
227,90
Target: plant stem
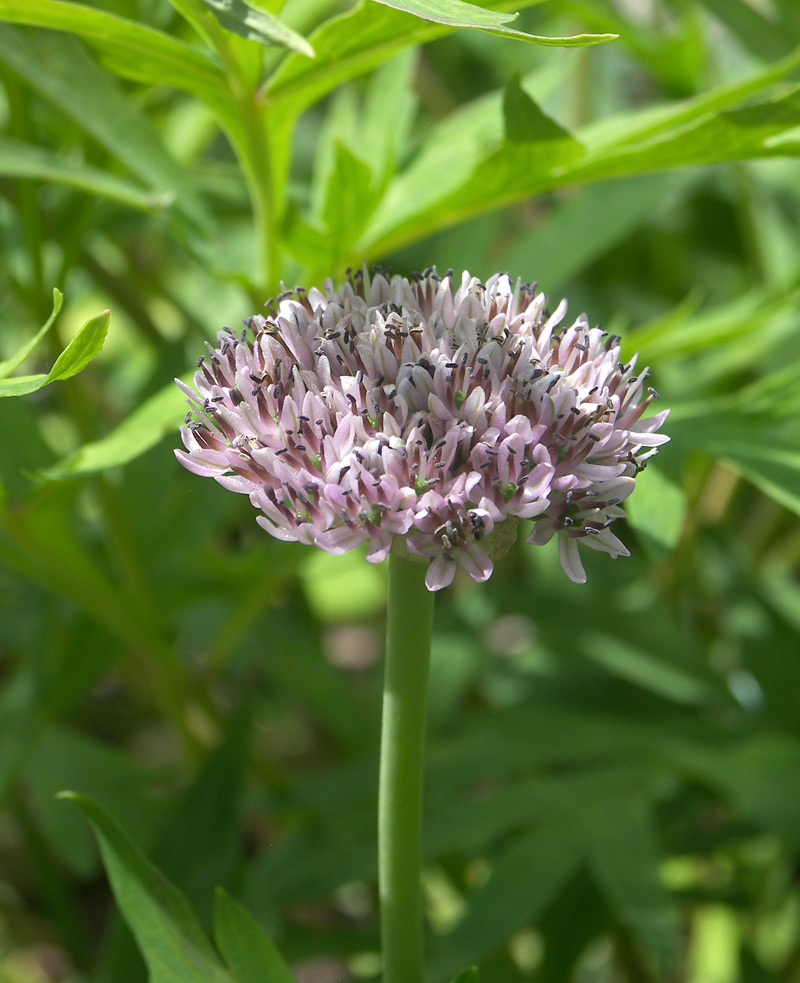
408,644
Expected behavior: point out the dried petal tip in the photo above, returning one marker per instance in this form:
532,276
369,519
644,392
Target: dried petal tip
425,410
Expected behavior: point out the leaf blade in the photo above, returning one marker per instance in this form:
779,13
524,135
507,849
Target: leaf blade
245,946
166,929
258,24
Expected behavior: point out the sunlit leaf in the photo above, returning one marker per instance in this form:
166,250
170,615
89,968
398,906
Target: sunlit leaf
257,24
456,13
127,47
76,356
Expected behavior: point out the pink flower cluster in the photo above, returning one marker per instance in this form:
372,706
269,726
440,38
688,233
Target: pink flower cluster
427,412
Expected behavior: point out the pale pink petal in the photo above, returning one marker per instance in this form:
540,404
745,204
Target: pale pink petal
570,560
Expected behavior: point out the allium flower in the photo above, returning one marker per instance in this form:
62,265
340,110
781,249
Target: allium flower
426,416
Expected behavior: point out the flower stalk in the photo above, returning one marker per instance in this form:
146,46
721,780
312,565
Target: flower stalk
408,643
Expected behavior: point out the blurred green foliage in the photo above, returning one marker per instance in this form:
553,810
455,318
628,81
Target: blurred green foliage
614,769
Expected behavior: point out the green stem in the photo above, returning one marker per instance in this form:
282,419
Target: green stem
250,142
408,644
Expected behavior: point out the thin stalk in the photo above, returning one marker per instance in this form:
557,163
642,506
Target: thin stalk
408,644
249,139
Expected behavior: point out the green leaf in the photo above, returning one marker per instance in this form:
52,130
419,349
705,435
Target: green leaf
522,884
646,668
468,174
19,356
526,123
625,859
130,49
258,24
773,469
60,68
61,756
588,224
348,204
142,429
349,45
470,975
657,511
166,929
27,161
245,946
211,807
76,356
456,13
82,349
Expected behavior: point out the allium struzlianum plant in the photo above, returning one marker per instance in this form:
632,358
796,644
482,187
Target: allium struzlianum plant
427,418
609,765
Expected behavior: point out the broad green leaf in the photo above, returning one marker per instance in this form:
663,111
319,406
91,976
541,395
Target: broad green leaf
452,180
59,67
26,161
166,929
245,946
257,24
348,204
76,356
159,415
127,48
456,13
738,133
349,45
19,356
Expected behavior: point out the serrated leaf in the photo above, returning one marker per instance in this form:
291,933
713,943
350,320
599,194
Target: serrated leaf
24,351
245,946
76,356
166,929
258,24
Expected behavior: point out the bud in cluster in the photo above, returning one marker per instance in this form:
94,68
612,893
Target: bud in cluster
423,415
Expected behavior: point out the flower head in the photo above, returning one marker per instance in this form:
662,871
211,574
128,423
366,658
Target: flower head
424,413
